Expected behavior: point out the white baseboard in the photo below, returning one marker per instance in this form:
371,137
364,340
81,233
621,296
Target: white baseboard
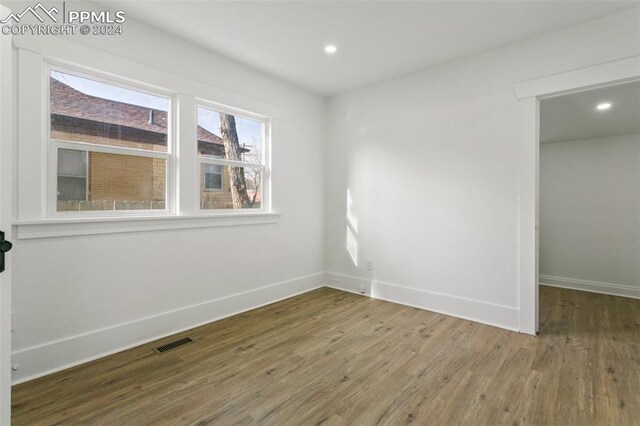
47,358
349,283
61,354
456,306
591,286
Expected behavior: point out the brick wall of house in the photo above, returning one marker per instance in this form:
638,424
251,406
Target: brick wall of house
159,179
220,199
122,177
115,177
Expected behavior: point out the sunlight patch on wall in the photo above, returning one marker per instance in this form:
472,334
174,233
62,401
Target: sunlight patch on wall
352,220
352,246
352,230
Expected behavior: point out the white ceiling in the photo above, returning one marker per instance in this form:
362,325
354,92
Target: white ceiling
376,40
574,116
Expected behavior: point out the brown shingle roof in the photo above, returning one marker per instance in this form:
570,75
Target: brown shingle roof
69,102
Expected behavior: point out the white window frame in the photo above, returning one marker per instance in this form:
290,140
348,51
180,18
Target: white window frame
264,165
35,216
52,145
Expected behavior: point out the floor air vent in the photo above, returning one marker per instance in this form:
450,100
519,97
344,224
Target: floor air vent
165,348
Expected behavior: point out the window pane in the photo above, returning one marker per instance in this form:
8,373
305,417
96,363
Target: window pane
242,184
244,136
72,163
84,110
112,182
72,175
212,177
72,188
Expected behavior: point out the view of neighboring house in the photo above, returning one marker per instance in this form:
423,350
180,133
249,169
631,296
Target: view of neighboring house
106,181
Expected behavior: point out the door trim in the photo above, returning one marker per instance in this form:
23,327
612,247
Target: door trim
6,213
529,94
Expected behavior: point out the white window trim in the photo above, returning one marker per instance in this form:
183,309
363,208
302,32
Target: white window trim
51,228
31,216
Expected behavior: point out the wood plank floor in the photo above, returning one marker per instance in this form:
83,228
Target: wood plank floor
334,358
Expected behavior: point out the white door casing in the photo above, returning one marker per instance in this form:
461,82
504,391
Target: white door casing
6,95
529,94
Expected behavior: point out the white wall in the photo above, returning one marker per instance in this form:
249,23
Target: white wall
432,161
590,214
83,296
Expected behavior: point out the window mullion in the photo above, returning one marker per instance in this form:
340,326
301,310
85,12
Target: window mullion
230,163
84,146
188,169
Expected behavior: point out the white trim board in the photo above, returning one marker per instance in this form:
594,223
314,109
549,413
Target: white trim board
50,357
7,132
49,228
460,307
592,76
623,290
349,283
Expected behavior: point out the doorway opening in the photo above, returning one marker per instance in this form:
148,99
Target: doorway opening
589,210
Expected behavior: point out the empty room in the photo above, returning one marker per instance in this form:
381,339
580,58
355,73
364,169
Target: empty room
320,212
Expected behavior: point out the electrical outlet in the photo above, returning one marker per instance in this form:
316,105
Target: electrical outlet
368,264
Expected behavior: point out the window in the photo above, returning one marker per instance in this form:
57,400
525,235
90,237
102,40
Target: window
231,157
212,177
111,145
72,175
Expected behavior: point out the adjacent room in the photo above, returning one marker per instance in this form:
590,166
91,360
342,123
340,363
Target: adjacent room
590,190
320,212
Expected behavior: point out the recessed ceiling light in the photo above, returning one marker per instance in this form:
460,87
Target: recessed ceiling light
603,106
330,49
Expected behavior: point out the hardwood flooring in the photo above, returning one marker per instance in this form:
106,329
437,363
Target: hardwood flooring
334,358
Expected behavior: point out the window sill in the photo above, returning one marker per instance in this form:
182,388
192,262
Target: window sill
50,228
